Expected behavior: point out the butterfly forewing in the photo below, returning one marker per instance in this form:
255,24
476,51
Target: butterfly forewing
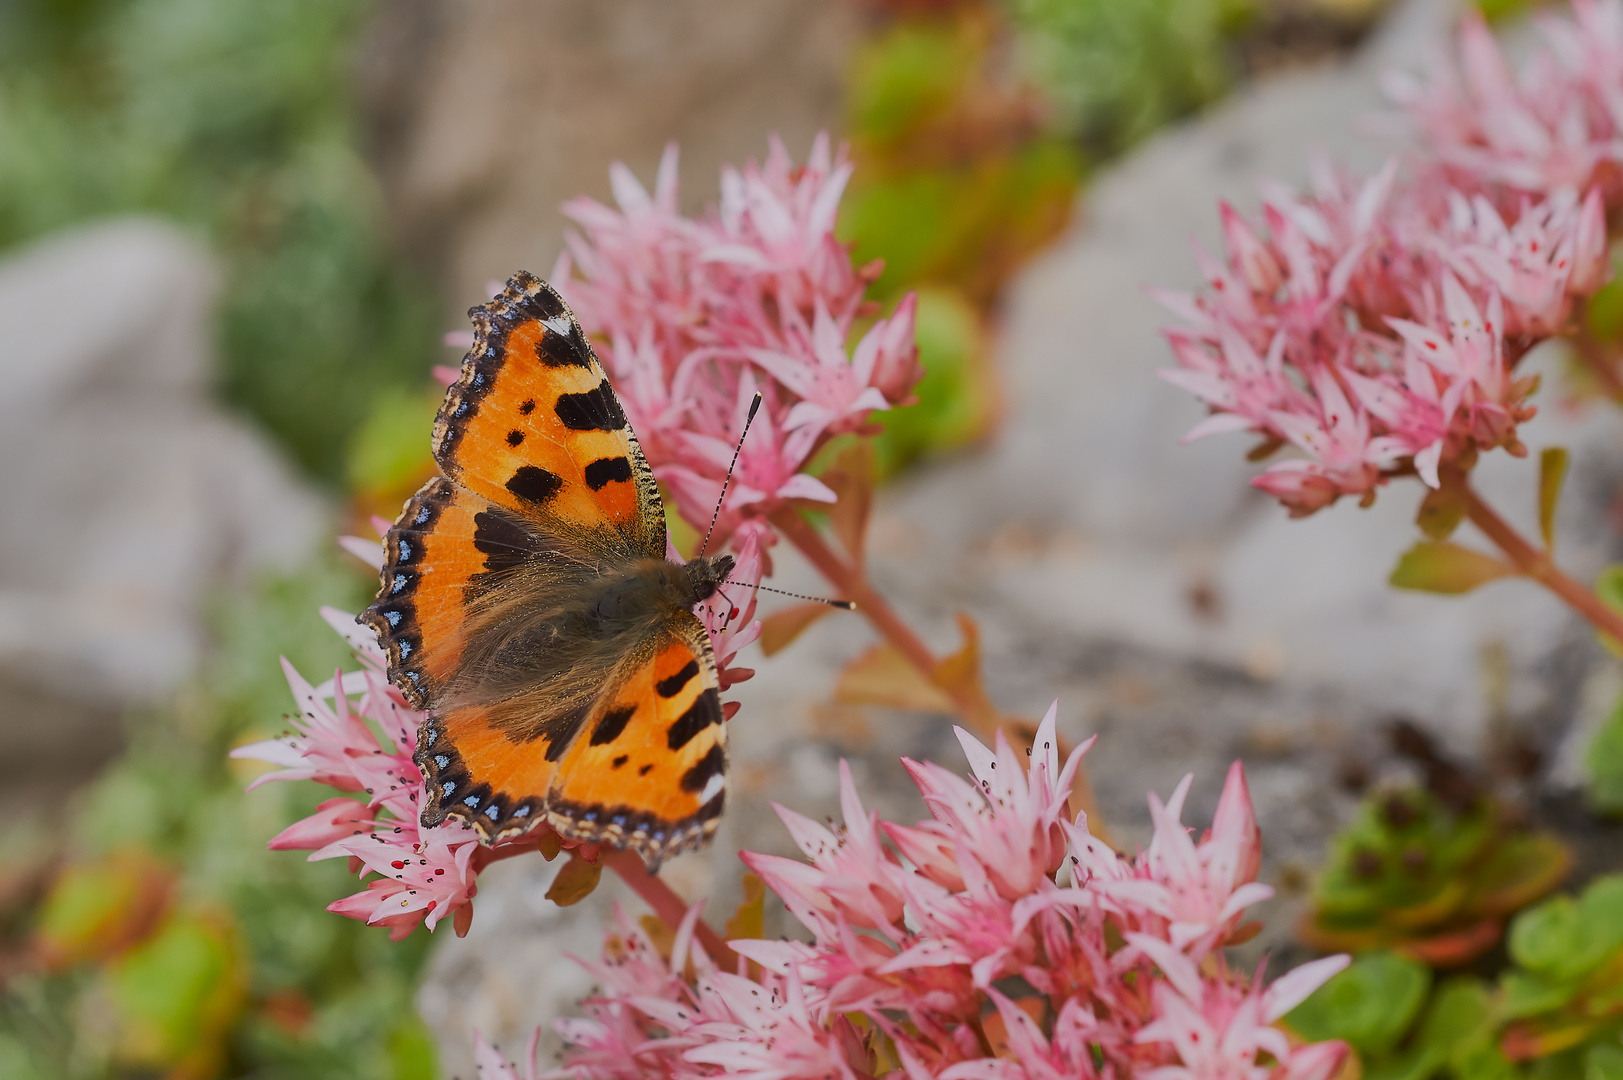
533,425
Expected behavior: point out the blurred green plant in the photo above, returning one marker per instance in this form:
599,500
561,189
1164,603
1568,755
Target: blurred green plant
958,182
1117,70
1431,880
1557,1013
236,120
170,941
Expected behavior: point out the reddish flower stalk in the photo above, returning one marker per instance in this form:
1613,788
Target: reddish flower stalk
1535,563
663,901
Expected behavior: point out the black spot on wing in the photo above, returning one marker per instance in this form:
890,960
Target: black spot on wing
534,484
515,437
619,761
672,685
605,471
712,764
705,710
611,724
593,410
527,408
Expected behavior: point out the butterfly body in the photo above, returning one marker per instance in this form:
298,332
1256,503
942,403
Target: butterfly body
527,605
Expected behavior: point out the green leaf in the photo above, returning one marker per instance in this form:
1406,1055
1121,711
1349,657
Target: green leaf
1604,1062
1556,940
1552,470
1605,761
1441,511
1605,311
1443,567
1522,994
1460,1010
1371,1004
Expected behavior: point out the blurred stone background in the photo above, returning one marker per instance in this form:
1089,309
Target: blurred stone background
1142,583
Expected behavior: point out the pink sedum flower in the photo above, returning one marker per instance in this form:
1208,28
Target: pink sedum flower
1554,126
909,942
693,315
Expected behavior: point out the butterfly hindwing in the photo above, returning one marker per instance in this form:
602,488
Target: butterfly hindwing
533,426
648,769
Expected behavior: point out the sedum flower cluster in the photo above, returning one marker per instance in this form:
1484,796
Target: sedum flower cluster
998,940
356,733
693,316
1375,326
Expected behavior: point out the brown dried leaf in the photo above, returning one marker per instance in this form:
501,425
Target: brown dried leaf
749,920
882,676
780,628
960,675
575,882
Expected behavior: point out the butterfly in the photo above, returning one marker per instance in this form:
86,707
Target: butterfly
528,607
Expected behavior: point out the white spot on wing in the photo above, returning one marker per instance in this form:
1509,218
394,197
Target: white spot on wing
712,788
557,324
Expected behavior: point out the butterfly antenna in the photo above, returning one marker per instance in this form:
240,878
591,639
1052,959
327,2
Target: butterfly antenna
748,420
843,605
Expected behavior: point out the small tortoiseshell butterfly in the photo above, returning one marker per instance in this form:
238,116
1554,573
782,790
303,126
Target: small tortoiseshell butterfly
528,607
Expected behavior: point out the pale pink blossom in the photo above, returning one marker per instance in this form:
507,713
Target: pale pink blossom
1553,126
692,316
492,1066
911,942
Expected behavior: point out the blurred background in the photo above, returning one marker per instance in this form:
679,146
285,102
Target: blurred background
232,237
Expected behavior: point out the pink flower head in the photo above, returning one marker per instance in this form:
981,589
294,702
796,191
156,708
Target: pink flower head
1193,893
1554,127
693,315
1366,328
910,942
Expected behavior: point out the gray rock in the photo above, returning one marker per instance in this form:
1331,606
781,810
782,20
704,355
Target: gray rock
129,493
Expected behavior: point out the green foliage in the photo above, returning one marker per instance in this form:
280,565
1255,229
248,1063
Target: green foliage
1557,1014
1371,1004
1605,761
1120,69
247,964
1413,873
235,120
948,412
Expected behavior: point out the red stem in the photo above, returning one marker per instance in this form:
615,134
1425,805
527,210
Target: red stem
670,908
1536,564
